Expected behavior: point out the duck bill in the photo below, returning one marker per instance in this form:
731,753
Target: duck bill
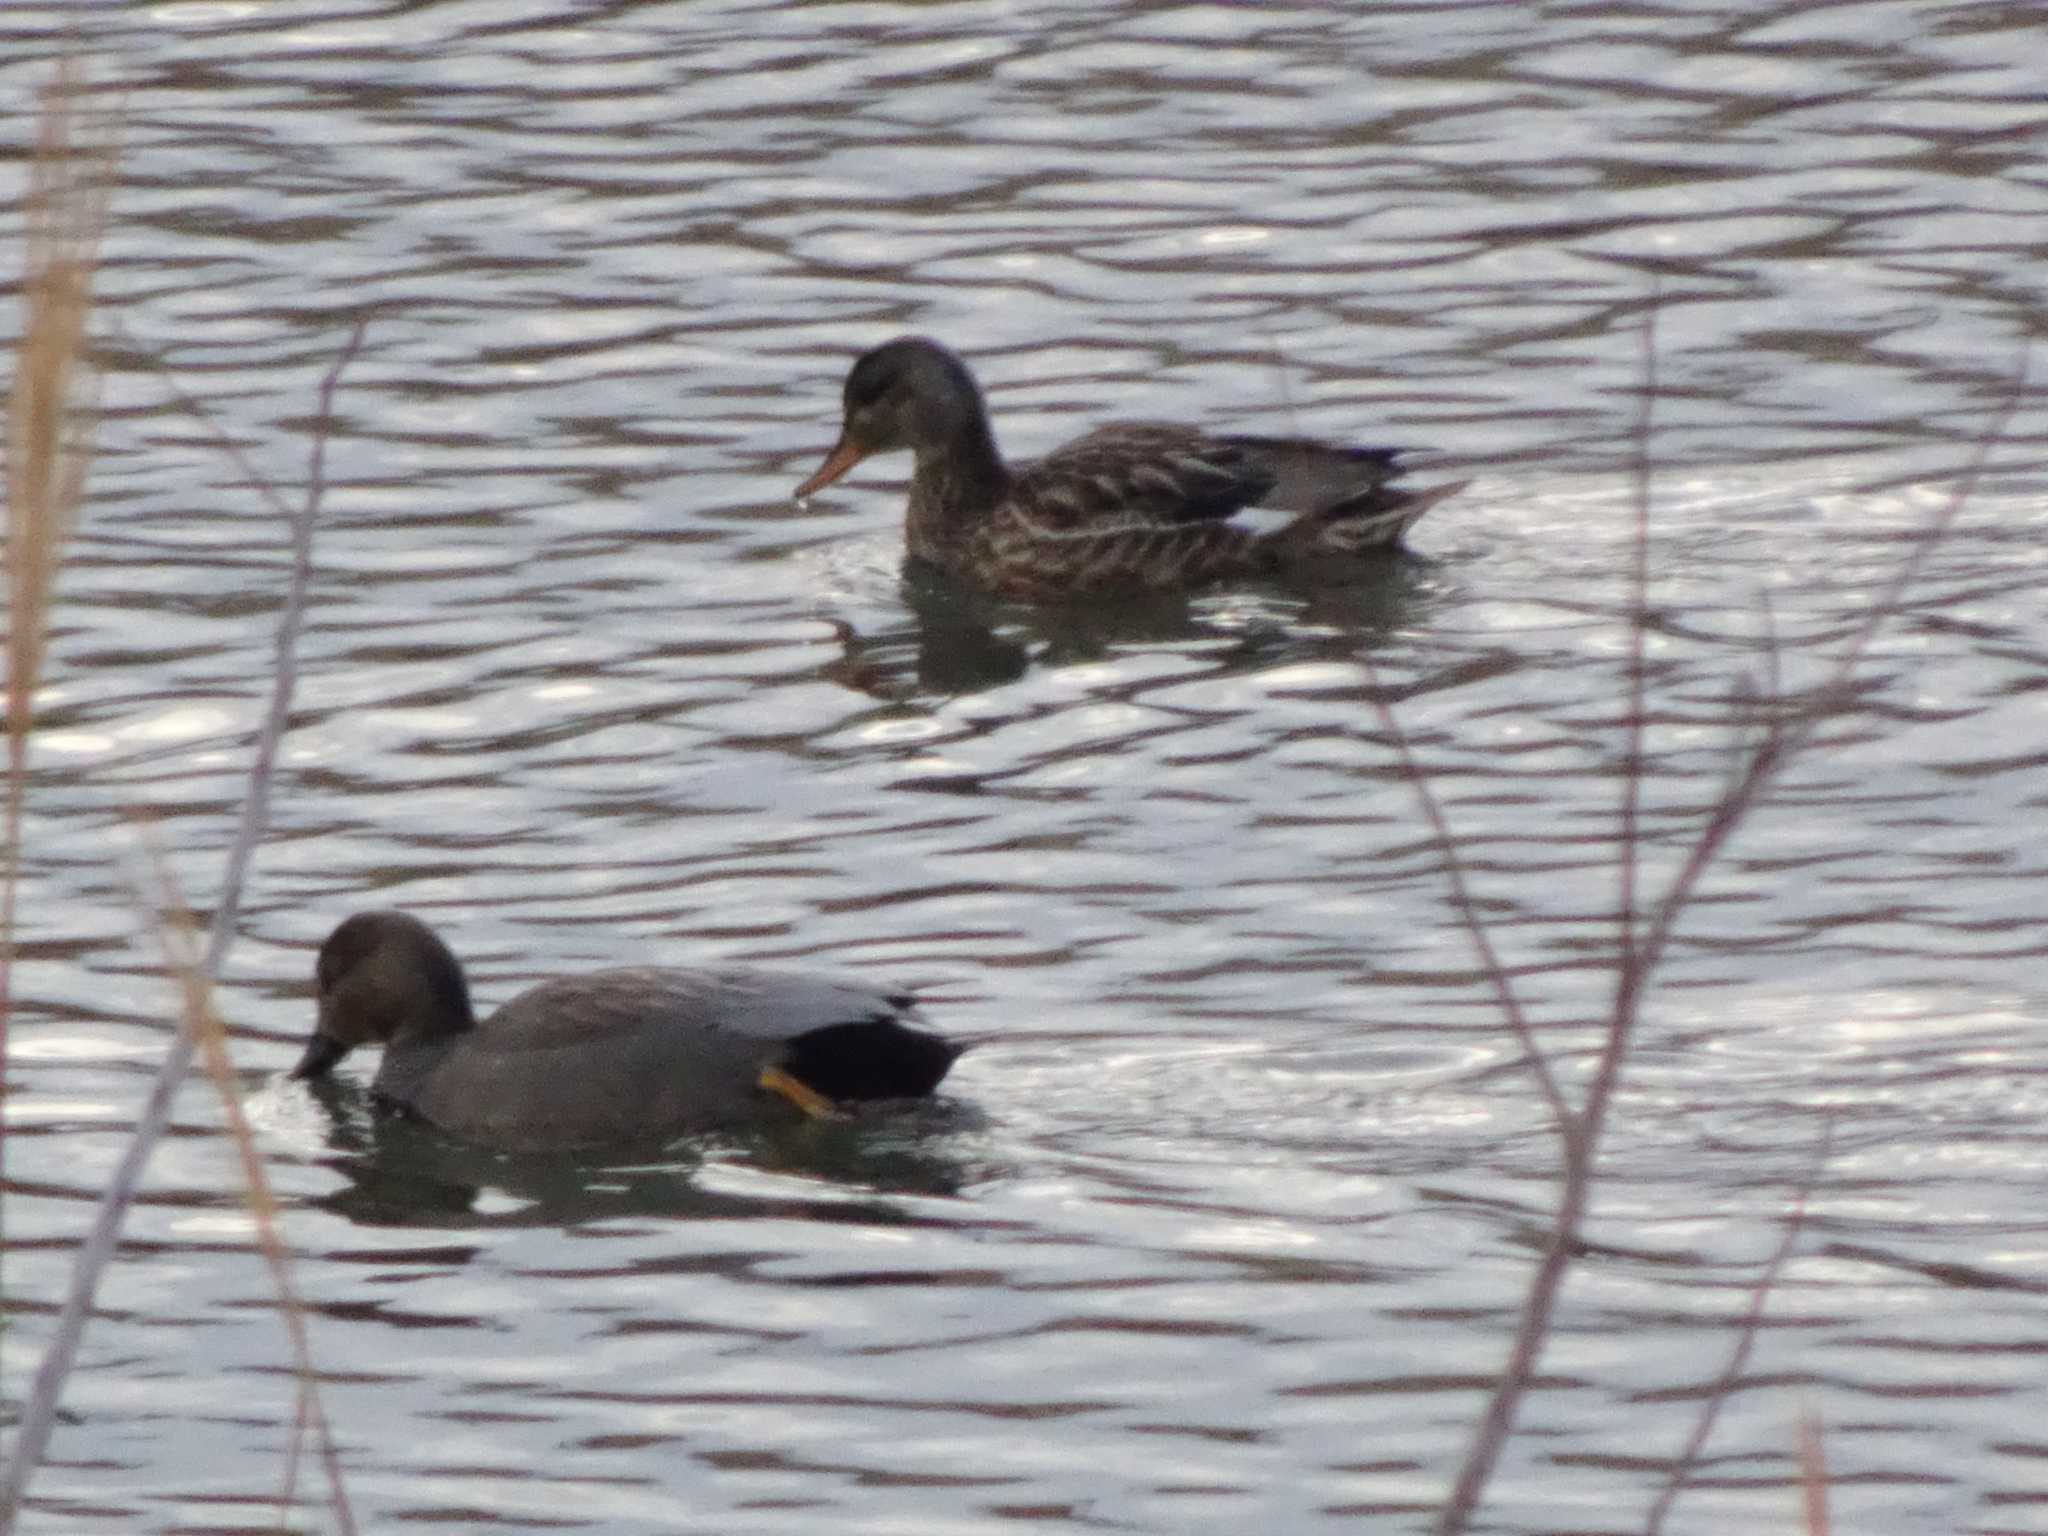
322,1052
844,455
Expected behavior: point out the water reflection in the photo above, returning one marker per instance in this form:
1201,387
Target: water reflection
949,645
955,641
400,1171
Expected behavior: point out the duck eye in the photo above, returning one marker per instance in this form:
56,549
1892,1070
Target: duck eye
865,386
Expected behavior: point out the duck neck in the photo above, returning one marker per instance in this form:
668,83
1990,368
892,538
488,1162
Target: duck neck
421,1043
409,1064
954,487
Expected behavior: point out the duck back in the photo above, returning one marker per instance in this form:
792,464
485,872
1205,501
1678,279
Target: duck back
647,1054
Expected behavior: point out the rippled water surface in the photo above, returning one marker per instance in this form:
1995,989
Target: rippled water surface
1223,1223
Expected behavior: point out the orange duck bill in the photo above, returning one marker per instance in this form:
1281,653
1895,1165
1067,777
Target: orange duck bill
844,455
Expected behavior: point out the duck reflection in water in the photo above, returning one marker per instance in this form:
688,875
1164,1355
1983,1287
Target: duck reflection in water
957,641
400,1171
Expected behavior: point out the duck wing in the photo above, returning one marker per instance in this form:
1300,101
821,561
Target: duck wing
1329,480
1138,473
649,1053
1157,472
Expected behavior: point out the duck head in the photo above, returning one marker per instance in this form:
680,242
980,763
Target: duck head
908,393
382,975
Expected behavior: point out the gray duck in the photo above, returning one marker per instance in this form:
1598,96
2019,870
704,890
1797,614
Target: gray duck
641,1054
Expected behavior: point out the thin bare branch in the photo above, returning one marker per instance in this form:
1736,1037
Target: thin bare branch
1787,736
1745,1339
1581,1130
1468,910
1532,1332
284,675
217,437
1628,850
96,1251
1813,1474
202,1023
1786,733
1774,651
1892,597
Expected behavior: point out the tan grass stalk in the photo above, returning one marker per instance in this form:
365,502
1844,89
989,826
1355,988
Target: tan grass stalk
202,1023
40,1411
49,445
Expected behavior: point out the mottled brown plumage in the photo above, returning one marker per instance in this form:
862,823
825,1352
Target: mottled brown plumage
643,1054
1131,506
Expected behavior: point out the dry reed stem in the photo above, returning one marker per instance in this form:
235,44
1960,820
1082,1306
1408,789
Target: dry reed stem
1745,1339
1639,950
203,1023
49,408
96,1252
49,445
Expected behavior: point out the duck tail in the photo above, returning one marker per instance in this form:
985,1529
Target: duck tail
1376,520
